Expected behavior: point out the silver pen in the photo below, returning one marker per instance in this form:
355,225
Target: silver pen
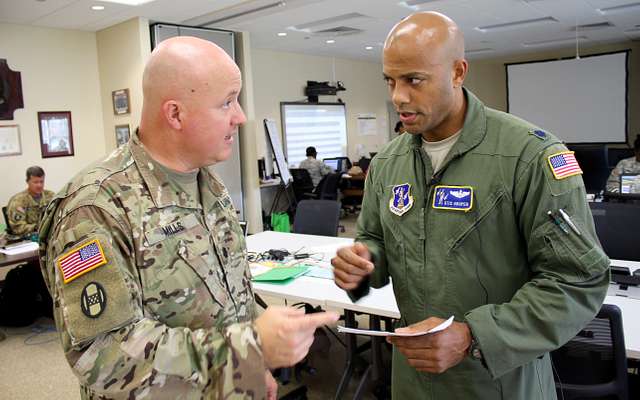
568,220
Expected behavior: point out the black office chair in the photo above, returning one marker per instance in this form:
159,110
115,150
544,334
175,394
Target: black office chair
317,217
593,365
327,188
5,213
302,183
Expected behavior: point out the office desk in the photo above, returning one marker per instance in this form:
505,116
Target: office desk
6,260
381,302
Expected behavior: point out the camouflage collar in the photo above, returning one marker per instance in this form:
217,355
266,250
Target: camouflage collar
473,131
160,189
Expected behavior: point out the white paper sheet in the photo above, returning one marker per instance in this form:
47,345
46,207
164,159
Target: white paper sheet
367,332
20,248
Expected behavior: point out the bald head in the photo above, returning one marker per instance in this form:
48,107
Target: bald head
190,111
427,32
181,68
424,66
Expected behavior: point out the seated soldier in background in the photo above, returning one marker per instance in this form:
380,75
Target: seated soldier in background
627,166
25,208
317,169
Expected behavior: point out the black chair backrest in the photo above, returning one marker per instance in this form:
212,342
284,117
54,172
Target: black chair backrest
317,217
594,363
363,163
301,177
327,188
5,214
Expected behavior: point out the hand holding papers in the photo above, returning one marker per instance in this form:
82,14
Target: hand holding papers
444,325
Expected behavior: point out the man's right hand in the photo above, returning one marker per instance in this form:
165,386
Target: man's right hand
286,333
351,265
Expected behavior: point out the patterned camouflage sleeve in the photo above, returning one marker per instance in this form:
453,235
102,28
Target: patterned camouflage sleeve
613,182
18,218
115,347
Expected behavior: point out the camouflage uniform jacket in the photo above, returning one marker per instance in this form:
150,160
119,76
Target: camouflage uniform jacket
151,288
25,212
627,166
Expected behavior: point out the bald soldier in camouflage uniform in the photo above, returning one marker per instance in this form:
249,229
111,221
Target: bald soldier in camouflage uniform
146,260
25,208
628,166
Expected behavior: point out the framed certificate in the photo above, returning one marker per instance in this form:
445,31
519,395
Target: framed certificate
10,140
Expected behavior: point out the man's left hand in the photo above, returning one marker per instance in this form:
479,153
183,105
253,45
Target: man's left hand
437,352
272,386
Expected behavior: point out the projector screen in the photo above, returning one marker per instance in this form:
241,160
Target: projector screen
579,100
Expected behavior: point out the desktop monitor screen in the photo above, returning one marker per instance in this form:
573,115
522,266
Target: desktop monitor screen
630,183
333,163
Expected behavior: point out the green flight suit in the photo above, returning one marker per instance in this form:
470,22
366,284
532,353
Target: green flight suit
523,284
25,212
151,285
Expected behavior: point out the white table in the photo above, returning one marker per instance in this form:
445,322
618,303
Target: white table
381,302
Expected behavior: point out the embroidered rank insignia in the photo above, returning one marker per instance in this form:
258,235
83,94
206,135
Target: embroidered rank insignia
402,201
93,300
564,165
542,135
81,260
458,198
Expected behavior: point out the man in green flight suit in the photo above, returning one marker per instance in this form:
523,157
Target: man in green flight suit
145,258
464,215
25,208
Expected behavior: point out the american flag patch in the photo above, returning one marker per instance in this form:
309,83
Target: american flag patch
81,260
564,165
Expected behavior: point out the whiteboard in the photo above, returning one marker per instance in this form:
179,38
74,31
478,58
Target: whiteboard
273,137
579,100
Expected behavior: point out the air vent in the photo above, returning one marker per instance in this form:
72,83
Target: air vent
330,21
619,9
338,31
541,43
516,24
592,27
412,3
478,51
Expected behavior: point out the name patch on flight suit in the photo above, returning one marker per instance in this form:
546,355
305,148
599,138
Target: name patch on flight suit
401,200
458,198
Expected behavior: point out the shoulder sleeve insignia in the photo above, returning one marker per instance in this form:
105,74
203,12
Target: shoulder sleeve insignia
564,164
81,260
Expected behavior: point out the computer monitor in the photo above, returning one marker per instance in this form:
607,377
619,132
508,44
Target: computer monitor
618,228
334,163
630,183
593,162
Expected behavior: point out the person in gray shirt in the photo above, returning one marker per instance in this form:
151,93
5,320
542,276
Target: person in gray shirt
317,169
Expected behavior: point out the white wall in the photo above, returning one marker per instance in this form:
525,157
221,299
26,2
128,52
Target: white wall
123,50
59,73
280,76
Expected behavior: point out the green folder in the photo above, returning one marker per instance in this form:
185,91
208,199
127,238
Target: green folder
280,274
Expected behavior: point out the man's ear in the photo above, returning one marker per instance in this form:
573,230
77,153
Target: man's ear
460,68
173,112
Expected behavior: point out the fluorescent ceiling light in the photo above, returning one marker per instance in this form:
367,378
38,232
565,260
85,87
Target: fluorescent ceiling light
553,41
619,9
282,34
515,24
368,48
97,8
128,2
478,51
331,41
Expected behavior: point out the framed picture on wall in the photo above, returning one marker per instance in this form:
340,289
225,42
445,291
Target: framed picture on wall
120,101
56,136
122,134
10,140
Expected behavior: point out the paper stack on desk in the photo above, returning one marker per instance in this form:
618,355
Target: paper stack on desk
19,248
367,332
